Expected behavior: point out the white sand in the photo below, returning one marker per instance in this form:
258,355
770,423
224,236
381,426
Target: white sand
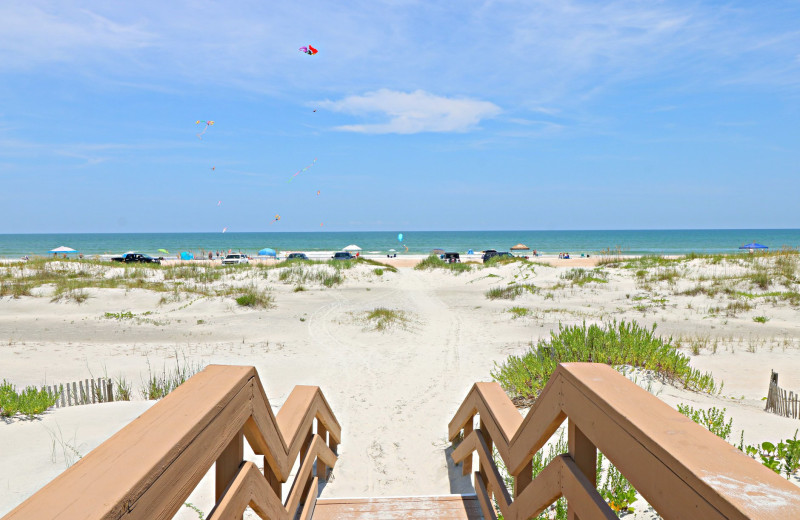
393,391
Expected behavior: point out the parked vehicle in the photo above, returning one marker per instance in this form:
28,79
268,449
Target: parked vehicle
343,255
297,256
452,258
235,258
136,257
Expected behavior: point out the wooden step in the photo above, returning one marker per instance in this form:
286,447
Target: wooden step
442,507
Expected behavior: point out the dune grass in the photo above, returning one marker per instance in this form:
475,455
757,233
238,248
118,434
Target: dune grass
510,292
580,276
253,297
616,344
382,318
434,262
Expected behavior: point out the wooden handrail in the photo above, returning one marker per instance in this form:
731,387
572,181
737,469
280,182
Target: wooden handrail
680,468
148,469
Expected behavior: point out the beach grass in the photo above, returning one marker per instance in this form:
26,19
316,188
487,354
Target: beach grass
382,318
256,298
434,262
158,384
616,344
510,292
580,276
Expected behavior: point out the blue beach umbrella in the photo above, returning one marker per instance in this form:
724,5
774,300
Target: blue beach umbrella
267,252
753,245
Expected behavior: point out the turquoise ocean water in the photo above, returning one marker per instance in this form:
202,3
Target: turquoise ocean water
418,242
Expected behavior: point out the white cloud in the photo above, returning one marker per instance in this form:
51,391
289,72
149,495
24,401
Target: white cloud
413,112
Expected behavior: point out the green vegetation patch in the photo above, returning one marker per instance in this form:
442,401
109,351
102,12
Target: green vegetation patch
510,292
434,262
615,344
382,318
580,276
30,402
520,312
252,297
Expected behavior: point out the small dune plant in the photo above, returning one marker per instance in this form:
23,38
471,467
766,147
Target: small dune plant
252,297
434,262
510,292
382,318
30,402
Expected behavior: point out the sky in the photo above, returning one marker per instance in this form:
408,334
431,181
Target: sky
446,115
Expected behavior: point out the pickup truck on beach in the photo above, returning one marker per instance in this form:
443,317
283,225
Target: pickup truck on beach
136,257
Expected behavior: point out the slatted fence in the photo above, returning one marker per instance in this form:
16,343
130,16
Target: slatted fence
88,391
781,402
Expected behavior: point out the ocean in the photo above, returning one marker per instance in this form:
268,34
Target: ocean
668,242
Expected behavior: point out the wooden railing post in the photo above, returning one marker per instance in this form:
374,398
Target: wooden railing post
523,478
584,453
306,445
322,470
482,470
227,465
272,479
467,469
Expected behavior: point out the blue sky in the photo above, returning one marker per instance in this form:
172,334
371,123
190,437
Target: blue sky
455,115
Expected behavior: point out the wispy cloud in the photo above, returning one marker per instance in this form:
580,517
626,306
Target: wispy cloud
413,112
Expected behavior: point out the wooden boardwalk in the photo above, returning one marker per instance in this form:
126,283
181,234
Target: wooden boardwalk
444,507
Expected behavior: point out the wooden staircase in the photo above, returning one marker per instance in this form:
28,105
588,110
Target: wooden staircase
442,507
148,469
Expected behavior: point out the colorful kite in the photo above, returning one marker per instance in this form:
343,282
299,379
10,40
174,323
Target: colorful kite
309,50
301,171
318,192
213,168
400,237
208,123
224,229
219,203
277,218
406,247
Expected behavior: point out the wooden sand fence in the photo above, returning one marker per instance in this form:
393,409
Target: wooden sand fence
781,402
88,391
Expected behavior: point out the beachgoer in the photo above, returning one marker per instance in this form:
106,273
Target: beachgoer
210,256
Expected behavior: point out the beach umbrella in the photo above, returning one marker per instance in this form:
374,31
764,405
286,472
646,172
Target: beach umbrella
267,252
163,251
438,251
753,245
352,247
63,249
187,256
520,247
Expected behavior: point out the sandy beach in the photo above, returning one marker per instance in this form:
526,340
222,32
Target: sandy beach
393,390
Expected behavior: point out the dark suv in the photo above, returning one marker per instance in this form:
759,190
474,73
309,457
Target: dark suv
343,255
452,258
297,256
136,257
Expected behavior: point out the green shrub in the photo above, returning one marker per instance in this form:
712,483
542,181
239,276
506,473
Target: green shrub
712,419
615,344
30,402
760,319
332,279
519,312
378,271
252,297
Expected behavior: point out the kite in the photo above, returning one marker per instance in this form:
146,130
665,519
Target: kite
277,218
208,123
321,224
406,247
213,168
219,203
224,229
308,50
304,169
400,237
318,191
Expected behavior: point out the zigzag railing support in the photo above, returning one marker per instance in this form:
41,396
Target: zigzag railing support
148,469
680,468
